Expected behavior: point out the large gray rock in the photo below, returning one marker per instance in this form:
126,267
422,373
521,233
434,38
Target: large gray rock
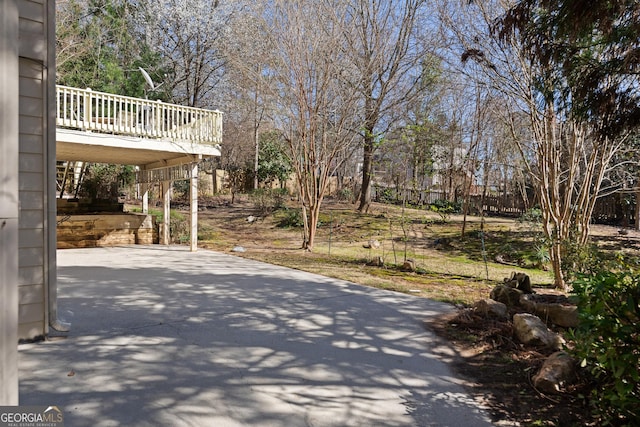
491,308
530,330
556,371
506,295
562,315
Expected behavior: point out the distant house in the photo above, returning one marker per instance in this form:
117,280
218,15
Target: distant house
27,181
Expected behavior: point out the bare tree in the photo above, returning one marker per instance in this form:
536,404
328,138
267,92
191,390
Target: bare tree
316,105
189,36
248,53
385,50
70,40
563,158
236,159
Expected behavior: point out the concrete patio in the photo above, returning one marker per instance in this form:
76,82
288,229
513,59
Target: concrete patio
161,336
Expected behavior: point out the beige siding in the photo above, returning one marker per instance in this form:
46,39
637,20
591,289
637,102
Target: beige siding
31,11
33,40
29,330
31,318
32,169
31,257
30,201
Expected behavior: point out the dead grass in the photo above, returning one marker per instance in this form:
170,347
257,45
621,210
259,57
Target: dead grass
449,268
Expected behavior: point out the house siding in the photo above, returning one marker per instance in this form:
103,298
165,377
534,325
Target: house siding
33,277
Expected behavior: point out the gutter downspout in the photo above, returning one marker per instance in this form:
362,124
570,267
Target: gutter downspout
49,118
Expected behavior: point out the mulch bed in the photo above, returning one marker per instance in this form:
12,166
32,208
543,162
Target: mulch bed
499,372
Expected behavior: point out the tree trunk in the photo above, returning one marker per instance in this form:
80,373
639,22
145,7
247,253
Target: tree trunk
306,229
637,216
310,218
367,172
314,215
555,254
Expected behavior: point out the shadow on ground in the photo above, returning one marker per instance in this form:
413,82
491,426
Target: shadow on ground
162,336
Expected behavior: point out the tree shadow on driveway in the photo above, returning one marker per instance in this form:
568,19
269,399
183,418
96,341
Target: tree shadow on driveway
162,336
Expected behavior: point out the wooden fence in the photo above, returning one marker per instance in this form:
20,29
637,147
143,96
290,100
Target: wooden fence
493,205
613,209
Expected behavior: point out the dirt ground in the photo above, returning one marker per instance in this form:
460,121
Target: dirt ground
499,370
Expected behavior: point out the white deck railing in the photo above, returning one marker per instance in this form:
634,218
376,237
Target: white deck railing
88,110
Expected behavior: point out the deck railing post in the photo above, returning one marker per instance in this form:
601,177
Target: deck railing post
158,118
86,108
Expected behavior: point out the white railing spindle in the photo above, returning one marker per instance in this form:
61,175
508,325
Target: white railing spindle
88,110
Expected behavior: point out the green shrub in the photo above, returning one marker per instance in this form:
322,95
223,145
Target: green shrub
344,195
539,255
292,219
531,218
182,187
180,227
385,195
580,259
607,342
102,181
445,208
266,200
179,224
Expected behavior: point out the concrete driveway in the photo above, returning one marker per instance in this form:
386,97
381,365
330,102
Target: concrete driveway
164,337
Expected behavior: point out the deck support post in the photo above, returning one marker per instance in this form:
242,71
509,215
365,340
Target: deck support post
193,202
166,217
144,189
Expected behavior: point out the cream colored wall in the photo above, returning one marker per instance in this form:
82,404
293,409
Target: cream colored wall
31,172
8,202
34,147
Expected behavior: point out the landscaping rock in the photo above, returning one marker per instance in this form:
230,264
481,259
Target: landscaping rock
530,330
238,249
562,315
372,244
506,295
409,265
490,308
519,281
528,303
557,370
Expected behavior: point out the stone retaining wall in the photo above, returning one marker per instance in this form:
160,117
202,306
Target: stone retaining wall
85,231
86,206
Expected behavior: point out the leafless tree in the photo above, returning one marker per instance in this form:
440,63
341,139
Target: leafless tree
316,105
248,54
189,36
563,158
385,48
70,42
